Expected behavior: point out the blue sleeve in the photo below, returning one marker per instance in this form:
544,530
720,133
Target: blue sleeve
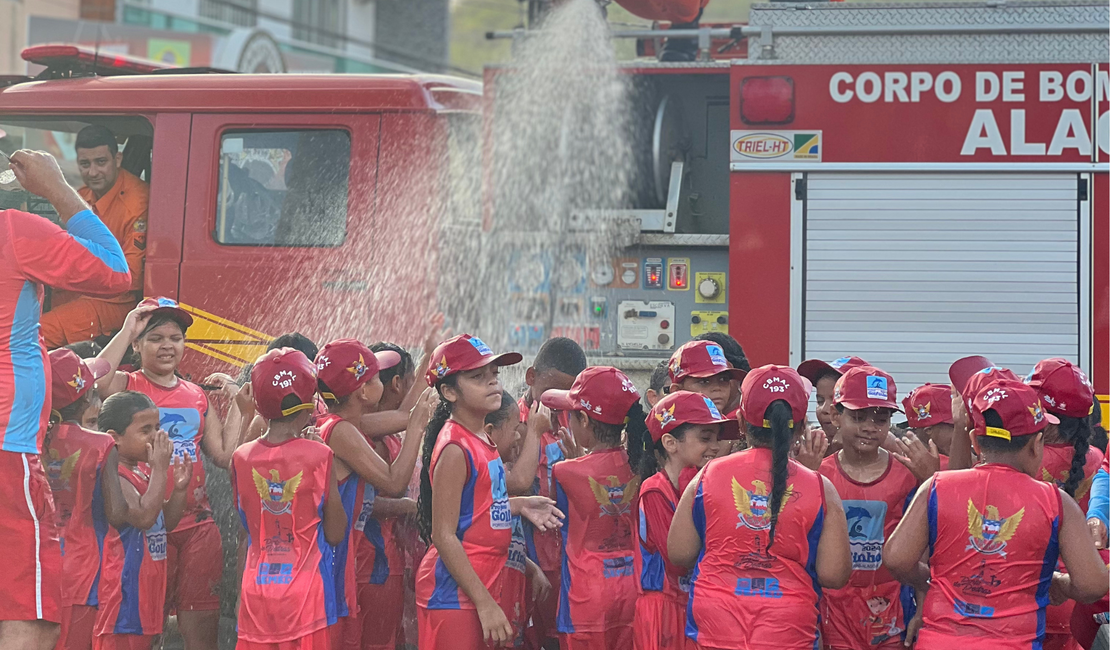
90,232
1099,507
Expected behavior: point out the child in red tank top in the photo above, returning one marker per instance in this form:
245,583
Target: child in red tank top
683,429
762,532
1069,461
464,506
874,609
993,534
133,575
598,491
286,495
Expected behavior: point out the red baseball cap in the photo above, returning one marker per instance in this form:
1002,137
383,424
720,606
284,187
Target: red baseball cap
700,359
683,407
602,391
812,369
1016,403
278,374
866,387
344,365
961,370
465,352
768,384
981,378
168,306
1063,387
73,376
928,405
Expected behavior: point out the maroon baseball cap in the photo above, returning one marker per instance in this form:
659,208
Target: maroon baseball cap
700,359
278,374
168,306
465,352
73,376
683,407
1063,387
812,369
928,405
768,384
603,392
1016,403
344,365
866,387
961,370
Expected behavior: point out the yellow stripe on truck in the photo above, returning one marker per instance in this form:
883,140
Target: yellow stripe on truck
1104,401
223,339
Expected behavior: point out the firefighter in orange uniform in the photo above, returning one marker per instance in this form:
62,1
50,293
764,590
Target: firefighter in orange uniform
119,198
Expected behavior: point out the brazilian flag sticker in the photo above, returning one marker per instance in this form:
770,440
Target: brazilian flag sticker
807,146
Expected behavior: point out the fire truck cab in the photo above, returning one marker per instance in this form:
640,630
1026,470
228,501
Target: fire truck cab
278,203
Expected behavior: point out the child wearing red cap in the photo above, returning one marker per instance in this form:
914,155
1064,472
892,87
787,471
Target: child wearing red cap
557,363
464,509
380,561
700,367
993,534
969,375
929,415
82,467
763,532
824,375
285,490
874,609
683,429
348,381
132,586
1069,461
155,330
597,595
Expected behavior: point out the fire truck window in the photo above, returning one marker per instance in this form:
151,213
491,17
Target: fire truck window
283,188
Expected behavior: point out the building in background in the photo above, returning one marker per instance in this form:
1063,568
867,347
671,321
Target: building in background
354,36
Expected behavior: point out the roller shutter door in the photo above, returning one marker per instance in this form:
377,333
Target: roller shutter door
912,271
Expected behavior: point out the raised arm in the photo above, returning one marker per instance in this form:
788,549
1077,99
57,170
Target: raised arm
352,448
115,381
520,478
143,510
87,259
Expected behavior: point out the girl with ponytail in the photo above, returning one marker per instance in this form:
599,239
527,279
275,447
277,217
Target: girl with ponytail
464,510
1069,460
763,532
683,429
597,596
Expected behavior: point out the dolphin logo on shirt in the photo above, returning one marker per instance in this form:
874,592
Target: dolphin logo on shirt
989,533
276,494
753,506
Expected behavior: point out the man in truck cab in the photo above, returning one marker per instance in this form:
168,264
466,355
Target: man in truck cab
119,198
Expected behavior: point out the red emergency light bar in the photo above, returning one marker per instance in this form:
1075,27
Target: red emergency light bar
68,60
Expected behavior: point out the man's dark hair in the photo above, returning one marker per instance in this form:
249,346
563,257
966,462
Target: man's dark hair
94,136
734,354
402,369
562,354
1001,445
297,341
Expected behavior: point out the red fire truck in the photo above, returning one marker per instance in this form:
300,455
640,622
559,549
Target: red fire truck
909,183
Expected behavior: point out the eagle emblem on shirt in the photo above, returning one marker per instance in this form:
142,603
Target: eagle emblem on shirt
276,494
990,532
753,506
59,470
77,383
665,416
923,410
614,497
1081,490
